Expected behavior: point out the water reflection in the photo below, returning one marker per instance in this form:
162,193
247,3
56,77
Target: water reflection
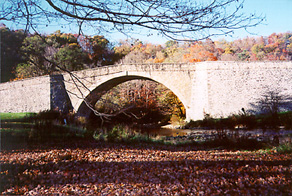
167,132
285,136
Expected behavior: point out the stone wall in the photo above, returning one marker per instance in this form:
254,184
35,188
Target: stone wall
29,95
215,88
235,85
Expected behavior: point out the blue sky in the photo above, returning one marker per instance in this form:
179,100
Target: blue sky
278,20
278,16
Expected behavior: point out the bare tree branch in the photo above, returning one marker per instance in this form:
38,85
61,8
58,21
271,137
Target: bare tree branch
272,102
179,20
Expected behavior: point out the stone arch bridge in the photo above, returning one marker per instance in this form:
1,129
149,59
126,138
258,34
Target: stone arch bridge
217,88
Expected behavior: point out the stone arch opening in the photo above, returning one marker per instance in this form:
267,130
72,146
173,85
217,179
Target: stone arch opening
101,88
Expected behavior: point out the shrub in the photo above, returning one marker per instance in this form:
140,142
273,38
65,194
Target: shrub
49,124
286,120
284,148
115,134
248,121
249,144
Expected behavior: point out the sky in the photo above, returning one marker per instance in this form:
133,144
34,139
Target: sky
278,15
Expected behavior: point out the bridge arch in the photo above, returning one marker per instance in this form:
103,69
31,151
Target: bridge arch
215,88
99,88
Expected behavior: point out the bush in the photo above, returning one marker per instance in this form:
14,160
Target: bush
115,134
207,122
249,144
48,115
118,133
50,124
286,120
284,148
248,121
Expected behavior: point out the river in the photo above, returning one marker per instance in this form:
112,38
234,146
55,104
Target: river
285,136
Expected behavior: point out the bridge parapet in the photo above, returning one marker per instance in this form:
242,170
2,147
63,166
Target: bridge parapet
112,69
215,88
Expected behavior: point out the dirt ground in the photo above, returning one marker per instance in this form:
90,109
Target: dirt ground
99,168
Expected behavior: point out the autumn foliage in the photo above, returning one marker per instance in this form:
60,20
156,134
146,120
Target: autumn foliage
142,102
276,47
95,168
198,53
35,55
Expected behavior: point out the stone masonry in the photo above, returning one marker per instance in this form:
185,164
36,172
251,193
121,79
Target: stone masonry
217,88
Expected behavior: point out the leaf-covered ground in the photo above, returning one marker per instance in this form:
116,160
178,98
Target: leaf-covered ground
98,168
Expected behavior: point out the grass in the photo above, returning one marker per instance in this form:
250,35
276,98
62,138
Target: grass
281,149
23,129
284,148
6,117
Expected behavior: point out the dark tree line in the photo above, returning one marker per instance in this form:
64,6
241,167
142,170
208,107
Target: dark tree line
10,56
27,55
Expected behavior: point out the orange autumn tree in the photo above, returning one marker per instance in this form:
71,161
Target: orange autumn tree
154,53
200,51
141,101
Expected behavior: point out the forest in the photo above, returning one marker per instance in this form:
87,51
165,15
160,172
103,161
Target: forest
29,55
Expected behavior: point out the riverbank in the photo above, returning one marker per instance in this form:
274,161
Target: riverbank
94,167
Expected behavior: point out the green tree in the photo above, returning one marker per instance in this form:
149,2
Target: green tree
71,57
123,48
24,70
51,53
35,51
100,52
59,39
244,55
258,51
10,51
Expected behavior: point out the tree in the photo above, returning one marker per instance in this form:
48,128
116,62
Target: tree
135,51
174,52
123,48
99,52
48,54
271,103
141,102
35,51
180,20
10,51
45,54
200,51
71,57
244,55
